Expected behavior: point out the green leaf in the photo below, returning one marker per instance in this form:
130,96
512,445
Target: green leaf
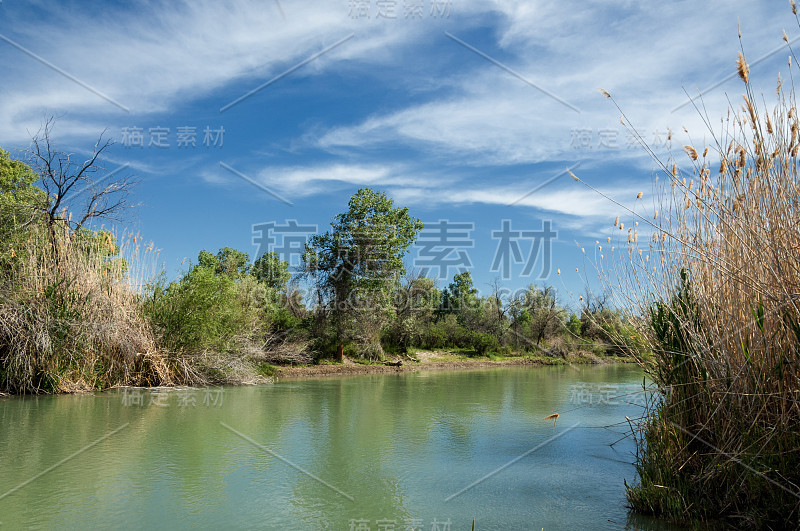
758,313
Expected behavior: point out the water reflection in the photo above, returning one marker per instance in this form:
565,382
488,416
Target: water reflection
398,445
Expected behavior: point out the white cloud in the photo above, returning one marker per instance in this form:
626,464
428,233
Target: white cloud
155,59
297,182
644,55
577,204
474,113
568,199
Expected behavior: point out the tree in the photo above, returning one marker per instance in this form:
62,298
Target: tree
84,190
228,261
416,300
270,270
495,310
460,297
520,318
537,313
574,325
356,263
20,203
233,263
548,318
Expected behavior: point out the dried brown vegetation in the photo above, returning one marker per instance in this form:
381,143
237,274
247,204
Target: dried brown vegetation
74,323
718,283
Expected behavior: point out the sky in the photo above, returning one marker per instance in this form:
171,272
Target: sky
250,124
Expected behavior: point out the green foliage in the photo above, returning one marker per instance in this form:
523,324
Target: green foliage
20,204
267,370
365,245
460,296
574,325
667,319
100,247
446,332
271,271
484,343
207,308
228,262
357,263
672,323
415,304
536,316
612,329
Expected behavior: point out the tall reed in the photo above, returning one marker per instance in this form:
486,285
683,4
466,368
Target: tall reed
716,278
70,316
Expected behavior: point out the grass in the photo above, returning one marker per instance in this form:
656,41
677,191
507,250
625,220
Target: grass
267,370
71,317
718,284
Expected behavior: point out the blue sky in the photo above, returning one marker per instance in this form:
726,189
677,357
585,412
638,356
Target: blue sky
462,111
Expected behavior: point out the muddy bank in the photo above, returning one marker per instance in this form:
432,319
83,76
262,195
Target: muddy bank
428,361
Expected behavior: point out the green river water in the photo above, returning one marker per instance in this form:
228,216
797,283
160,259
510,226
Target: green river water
425,450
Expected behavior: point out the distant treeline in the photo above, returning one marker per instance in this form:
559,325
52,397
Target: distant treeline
72,317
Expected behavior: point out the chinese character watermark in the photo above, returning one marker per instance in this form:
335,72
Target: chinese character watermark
287,241
160,397
391,9
509,252
161,138
443,245
586,139
588,394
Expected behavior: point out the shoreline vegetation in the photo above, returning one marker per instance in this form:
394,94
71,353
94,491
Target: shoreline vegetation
422,360
85,309
707,300
256,373
716,281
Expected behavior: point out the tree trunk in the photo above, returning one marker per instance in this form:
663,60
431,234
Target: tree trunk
340,352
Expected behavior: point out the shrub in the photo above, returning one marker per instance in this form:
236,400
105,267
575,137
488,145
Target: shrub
484,343
203,311
73,322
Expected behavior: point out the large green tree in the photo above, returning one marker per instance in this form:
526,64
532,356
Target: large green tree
356,265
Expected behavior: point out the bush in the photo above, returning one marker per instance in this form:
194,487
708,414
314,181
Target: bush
574,325
70,322
203,311
614,331
484,343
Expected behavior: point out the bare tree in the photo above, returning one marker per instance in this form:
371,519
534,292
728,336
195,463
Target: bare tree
499,308
548,316
85,190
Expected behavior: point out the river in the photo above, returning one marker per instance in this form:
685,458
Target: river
424,450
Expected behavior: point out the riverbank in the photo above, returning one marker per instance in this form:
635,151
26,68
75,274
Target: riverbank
216,369
434,360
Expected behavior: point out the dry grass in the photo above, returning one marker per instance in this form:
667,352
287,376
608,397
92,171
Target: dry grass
719,281
73,321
